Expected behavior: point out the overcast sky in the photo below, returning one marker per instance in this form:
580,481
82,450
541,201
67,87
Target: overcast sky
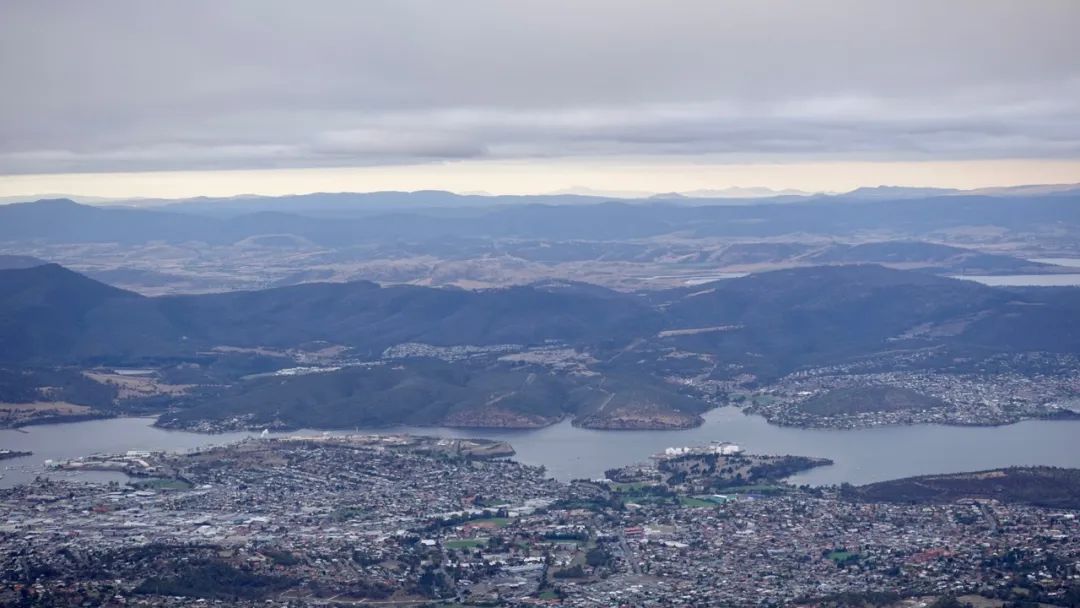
464,88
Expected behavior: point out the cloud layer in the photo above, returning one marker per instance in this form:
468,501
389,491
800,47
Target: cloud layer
132,86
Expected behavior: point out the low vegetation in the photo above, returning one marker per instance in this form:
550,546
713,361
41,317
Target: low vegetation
1053,487
862,399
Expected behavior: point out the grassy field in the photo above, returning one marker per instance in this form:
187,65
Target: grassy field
494,522
161,484
691,501
859,399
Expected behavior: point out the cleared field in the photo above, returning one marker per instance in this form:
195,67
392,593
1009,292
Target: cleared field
693,501
135,387
860,399
15,414
490,522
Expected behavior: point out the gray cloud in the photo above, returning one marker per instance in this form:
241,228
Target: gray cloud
134,85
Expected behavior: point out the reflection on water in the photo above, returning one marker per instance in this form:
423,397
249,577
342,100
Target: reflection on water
568,452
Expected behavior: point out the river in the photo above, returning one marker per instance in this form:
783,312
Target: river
1024,280
861,456
1032,280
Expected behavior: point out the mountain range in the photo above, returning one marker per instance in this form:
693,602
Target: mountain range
387,200
348,219
49,314
766,324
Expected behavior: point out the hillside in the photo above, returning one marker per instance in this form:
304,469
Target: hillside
857,400
783,319
814,315
432,392
51,314
422,393
1040,486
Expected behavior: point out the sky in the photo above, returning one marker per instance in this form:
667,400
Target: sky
182,98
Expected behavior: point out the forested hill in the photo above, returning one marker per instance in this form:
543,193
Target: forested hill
51,315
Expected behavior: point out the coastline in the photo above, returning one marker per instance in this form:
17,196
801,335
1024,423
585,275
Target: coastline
590,422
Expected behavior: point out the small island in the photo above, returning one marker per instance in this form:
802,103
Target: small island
7,454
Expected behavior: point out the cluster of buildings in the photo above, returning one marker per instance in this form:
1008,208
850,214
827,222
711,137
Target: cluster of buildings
795,548
719,448
1007,392
459,352
399,520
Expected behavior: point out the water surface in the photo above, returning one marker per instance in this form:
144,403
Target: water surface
1024,280
861,456
1070,262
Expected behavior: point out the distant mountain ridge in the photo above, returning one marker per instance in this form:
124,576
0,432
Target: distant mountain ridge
389,200
886,193
341,220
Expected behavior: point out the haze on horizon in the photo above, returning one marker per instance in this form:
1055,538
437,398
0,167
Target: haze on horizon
180,99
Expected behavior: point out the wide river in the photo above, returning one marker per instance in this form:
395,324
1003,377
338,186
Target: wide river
1032,280
861,456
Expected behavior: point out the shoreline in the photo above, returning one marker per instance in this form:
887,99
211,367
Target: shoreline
1060,415
255,428
699,422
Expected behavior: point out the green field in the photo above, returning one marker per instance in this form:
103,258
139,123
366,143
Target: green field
498,522
691,501
161,484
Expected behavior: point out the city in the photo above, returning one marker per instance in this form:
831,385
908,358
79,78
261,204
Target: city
414,521
560,304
